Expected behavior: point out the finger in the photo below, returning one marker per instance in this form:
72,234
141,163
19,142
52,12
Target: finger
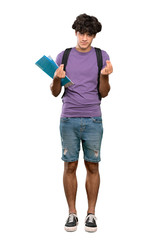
110,68
108,62
62,66
109,65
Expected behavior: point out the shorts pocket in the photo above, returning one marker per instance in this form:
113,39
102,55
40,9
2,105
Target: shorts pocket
97,119
65,119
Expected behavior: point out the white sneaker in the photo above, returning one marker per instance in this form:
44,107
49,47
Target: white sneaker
90,223
71,223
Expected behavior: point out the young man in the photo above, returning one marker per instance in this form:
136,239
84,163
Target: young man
81,116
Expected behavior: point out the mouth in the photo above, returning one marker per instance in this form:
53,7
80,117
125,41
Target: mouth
84,43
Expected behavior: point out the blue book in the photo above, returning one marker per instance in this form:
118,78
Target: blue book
49,67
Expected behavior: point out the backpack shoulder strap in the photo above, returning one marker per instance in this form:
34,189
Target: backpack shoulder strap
65,57
100,65
99,58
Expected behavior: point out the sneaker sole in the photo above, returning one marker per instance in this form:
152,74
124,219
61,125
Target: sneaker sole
90,229
71,229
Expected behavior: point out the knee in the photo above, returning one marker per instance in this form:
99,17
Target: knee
70,167
92,168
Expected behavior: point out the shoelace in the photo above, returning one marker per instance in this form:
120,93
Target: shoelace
91,217
71,217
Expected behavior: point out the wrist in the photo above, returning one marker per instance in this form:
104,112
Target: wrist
56,78
104,75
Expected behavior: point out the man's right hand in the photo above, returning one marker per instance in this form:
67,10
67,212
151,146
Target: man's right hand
60,73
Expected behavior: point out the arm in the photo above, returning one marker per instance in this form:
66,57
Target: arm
56,84
104,86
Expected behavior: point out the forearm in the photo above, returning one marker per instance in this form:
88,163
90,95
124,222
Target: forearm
104,86
56,86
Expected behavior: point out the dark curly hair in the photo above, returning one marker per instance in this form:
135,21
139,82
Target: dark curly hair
87,24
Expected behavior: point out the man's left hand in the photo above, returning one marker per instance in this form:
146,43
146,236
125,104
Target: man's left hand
108,69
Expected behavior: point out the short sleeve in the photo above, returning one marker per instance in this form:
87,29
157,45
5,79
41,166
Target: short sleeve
59,58
105,57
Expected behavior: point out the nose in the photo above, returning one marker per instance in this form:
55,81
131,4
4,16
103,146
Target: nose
84,37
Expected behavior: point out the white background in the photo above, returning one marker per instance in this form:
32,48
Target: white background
32,201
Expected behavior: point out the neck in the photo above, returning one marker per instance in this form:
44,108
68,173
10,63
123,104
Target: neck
79,49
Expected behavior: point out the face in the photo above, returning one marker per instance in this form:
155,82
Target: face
84,41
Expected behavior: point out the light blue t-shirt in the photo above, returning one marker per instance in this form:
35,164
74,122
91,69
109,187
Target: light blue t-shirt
81,99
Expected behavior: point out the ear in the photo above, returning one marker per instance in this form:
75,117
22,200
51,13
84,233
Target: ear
75,33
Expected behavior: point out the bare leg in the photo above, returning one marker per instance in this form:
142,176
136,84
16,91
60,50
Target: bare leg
92,185
70,184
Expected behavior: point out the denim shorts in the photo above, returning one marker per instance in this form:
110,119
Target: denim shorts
88,131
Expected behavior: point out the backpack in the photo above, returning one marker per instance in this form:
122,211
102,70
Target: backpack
99,63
